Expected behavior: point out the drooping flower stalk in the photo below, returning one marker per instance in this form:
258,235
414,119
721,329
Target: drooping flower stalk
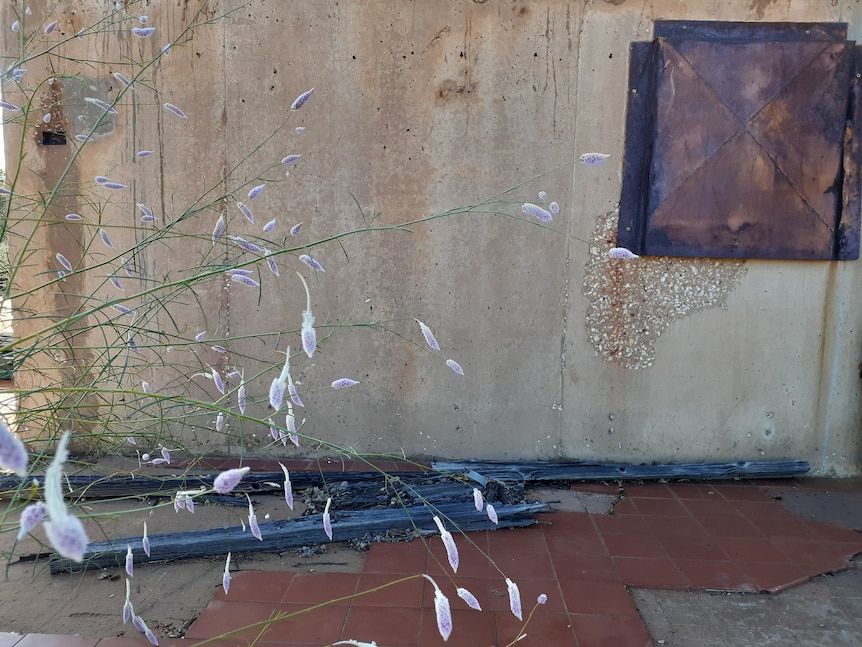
252,520
309,336
145,541
288,488
13,453
441,610
225,579
478,500
469,598
514,599
327,521
229,479
449,543
30,516
429,336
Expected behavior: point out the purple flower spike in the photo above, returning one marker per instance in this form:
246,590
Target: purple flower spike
542,599
245,280
50,27
74,217
225,579
219,383
241,398
537,212
252,520
200,335
256,191
122,79
478,501
9,106
64,261
104,236
455,366
67,536
268,227
443,613
130,562
327,520
143,32
622,252
13,453
593,159
542,196
301,100
291,159
294,231
429,336
554,208
229,479
309,337
116,283
114,186
145,541
469,598
313,264
249,247
219,421
344,383
449,543
146,388
294,395
276,394
173,109
128,609
104,105
492,513
246,212
219,228
270,261
166,455
514,599
32,515
288,488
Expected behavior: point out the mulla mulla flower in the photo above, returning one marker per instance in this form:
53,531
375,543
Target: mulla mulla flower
449,543
441,610
229,479
65,532
13,453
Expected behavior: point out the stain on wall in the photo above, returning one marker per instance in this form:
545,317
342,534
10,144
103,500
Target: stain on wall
631,302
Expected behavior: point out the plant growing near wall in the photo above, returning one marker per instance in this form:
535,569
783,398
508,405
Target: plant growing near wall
101,312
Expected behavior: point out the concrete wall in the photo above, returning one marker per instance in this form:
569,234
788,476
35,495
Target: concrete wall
424,106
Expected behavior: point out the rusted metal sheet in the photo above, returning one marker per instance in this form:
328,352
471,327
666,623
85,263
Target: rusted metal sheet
751,145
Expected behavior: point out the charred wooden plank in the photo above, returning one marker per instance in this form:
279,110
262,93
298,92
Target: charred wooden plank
281,535
588,471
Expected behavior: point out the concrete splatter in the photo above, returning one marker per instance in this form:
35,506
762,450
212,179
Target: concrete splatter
632,301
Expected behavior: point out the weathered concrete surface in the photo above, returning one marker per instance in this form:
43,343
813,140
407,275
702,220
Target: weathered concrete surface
420,107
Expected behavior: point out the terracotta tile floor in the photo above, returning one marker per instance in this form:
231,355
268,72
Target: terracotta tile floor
684,536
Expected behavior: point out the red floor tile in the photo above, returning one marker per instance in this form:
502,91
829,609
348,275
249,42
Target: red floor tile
812,555
744,492
596,488
401,594
791,527
469,628
625,506
522,540
640,545
471,563
772,577
392,626
256,586
749,549
676,527
650,491
322,625
599,631
661,507
524,565
568,521
575,543
831,532
735,526
544,628
680,547
595,568
714,575
598,598
761,510
629,525
711,507
694,491
403,557
314,588
650,573
221,617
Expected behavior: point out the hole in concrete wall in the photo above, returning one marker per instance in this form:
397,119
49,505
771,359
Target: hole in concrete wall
53,138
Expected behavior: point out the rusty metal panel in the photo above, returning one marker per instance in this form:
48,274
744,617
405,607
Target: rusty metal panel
750,148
